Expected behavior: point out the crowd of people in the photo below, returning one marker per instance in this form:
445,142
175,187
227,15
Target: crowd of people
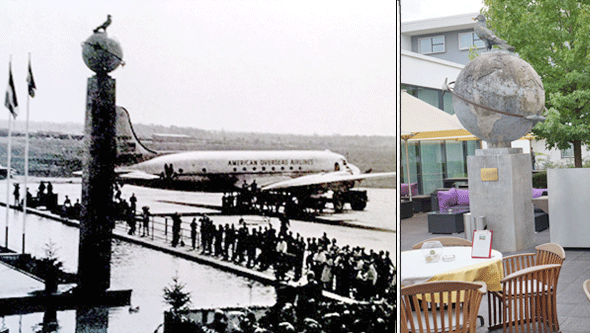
345,270
348,271
307,317
44,197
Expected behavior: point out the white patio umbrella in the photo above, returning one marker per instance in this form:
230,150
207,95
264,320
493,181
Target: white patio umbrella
422,121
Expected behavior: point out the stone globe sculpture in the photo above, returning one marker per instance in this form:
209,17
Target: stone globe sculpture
102,54
498,97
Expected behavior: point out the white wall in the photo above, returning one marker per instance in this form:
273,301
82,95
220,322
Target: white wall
554,155
541,153
524,144
425,71
406,42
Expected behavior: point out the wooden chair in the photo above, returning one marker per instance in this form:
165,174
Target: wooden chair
529,299
586,287
548,253
441,306
446,241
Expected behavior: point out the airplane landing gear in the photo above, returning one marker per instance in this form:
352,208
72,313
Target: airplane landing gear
338,202
357,199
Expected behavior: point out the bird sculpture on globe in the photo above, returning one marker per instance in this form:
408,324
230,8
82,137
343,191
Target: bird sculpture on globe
498,97
102,54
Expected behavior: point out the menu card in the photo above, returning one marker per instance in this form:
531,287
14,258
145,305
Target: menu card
482,244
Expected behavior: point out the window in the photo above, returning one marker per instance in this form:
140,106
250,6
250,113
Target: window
435,44
565,153
469,39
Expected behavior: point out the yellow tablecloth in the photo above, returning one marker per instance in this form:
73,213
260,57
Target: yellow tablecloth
414,268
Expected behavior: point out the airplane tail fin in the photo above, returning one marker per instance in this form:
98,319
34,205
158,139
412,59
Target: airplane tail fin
129,148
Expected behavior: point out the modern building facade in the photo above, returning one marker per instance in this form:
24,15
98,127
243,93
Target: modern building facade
431,51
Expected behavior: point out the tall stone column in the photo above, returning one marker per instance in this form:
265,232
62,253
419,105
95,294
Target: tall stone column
97,222
102,55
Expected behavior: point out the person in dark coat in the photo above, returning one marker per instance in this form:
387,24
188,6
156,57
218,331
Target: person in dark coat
16,194
218,239
241,244
130,220
133,203
284,224
228,240
203,228
176,225
146,220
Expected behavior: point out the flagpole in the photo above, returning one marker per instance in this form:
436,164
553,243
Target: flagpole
8,177
26,158
11,104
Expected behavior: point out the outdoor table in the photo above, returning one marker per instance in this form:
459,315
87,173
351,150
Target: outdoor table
415,269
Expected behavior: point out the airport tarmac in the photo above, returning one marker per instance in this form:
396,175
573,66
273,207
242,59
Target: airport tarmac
376,224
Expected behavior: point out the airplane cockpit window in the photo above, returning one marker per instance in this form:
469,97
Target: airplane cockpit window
336,166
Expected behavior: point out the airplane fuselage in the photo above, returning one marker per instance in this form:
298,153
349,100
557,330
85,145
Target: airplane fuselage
227,170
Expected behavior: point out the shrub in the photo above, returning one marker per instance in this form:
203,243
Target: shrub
540,179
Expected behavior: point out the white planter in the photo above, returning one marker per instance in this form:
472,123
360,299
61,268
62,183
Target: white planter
569,206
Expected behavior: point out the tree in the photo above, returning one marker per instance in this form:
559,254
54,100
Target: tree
176,296
50,267
554,37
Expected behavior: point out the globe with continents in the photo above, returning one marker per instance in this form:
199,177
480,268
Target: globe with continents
102,54
498,81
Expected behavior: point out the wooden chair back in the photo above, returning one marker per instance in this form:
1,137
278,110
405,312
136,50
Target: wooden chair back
586,287
445,241
529,299
550,253
517,262
441,306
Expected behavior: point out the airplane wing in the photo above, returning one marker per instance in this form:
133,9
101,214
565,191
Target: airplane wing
133,174
139,175
324,179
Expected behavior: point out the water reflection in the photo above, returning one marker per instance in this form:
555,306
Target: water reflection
147,272
92,320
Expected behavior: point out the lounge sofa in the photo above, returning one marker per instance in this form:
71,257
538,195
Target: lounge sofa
458,199
447,218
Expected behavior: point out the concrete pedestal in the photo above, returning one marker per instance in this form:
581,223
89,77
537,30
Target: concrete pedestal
96,223
505,201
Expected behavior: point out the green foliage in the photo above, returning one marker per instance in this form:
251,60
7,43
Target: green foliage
176,296
540,180
553,36
473,52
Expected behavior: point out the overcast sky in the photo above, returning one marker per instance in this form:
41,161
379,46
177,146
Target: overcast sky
260,66
414,10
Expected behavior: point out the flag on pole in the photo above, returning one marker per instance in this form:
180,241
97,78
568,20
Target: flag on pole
31,81
10,101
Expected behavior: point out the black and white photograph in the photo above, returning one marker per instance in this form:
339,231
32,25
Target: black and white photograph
199,166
